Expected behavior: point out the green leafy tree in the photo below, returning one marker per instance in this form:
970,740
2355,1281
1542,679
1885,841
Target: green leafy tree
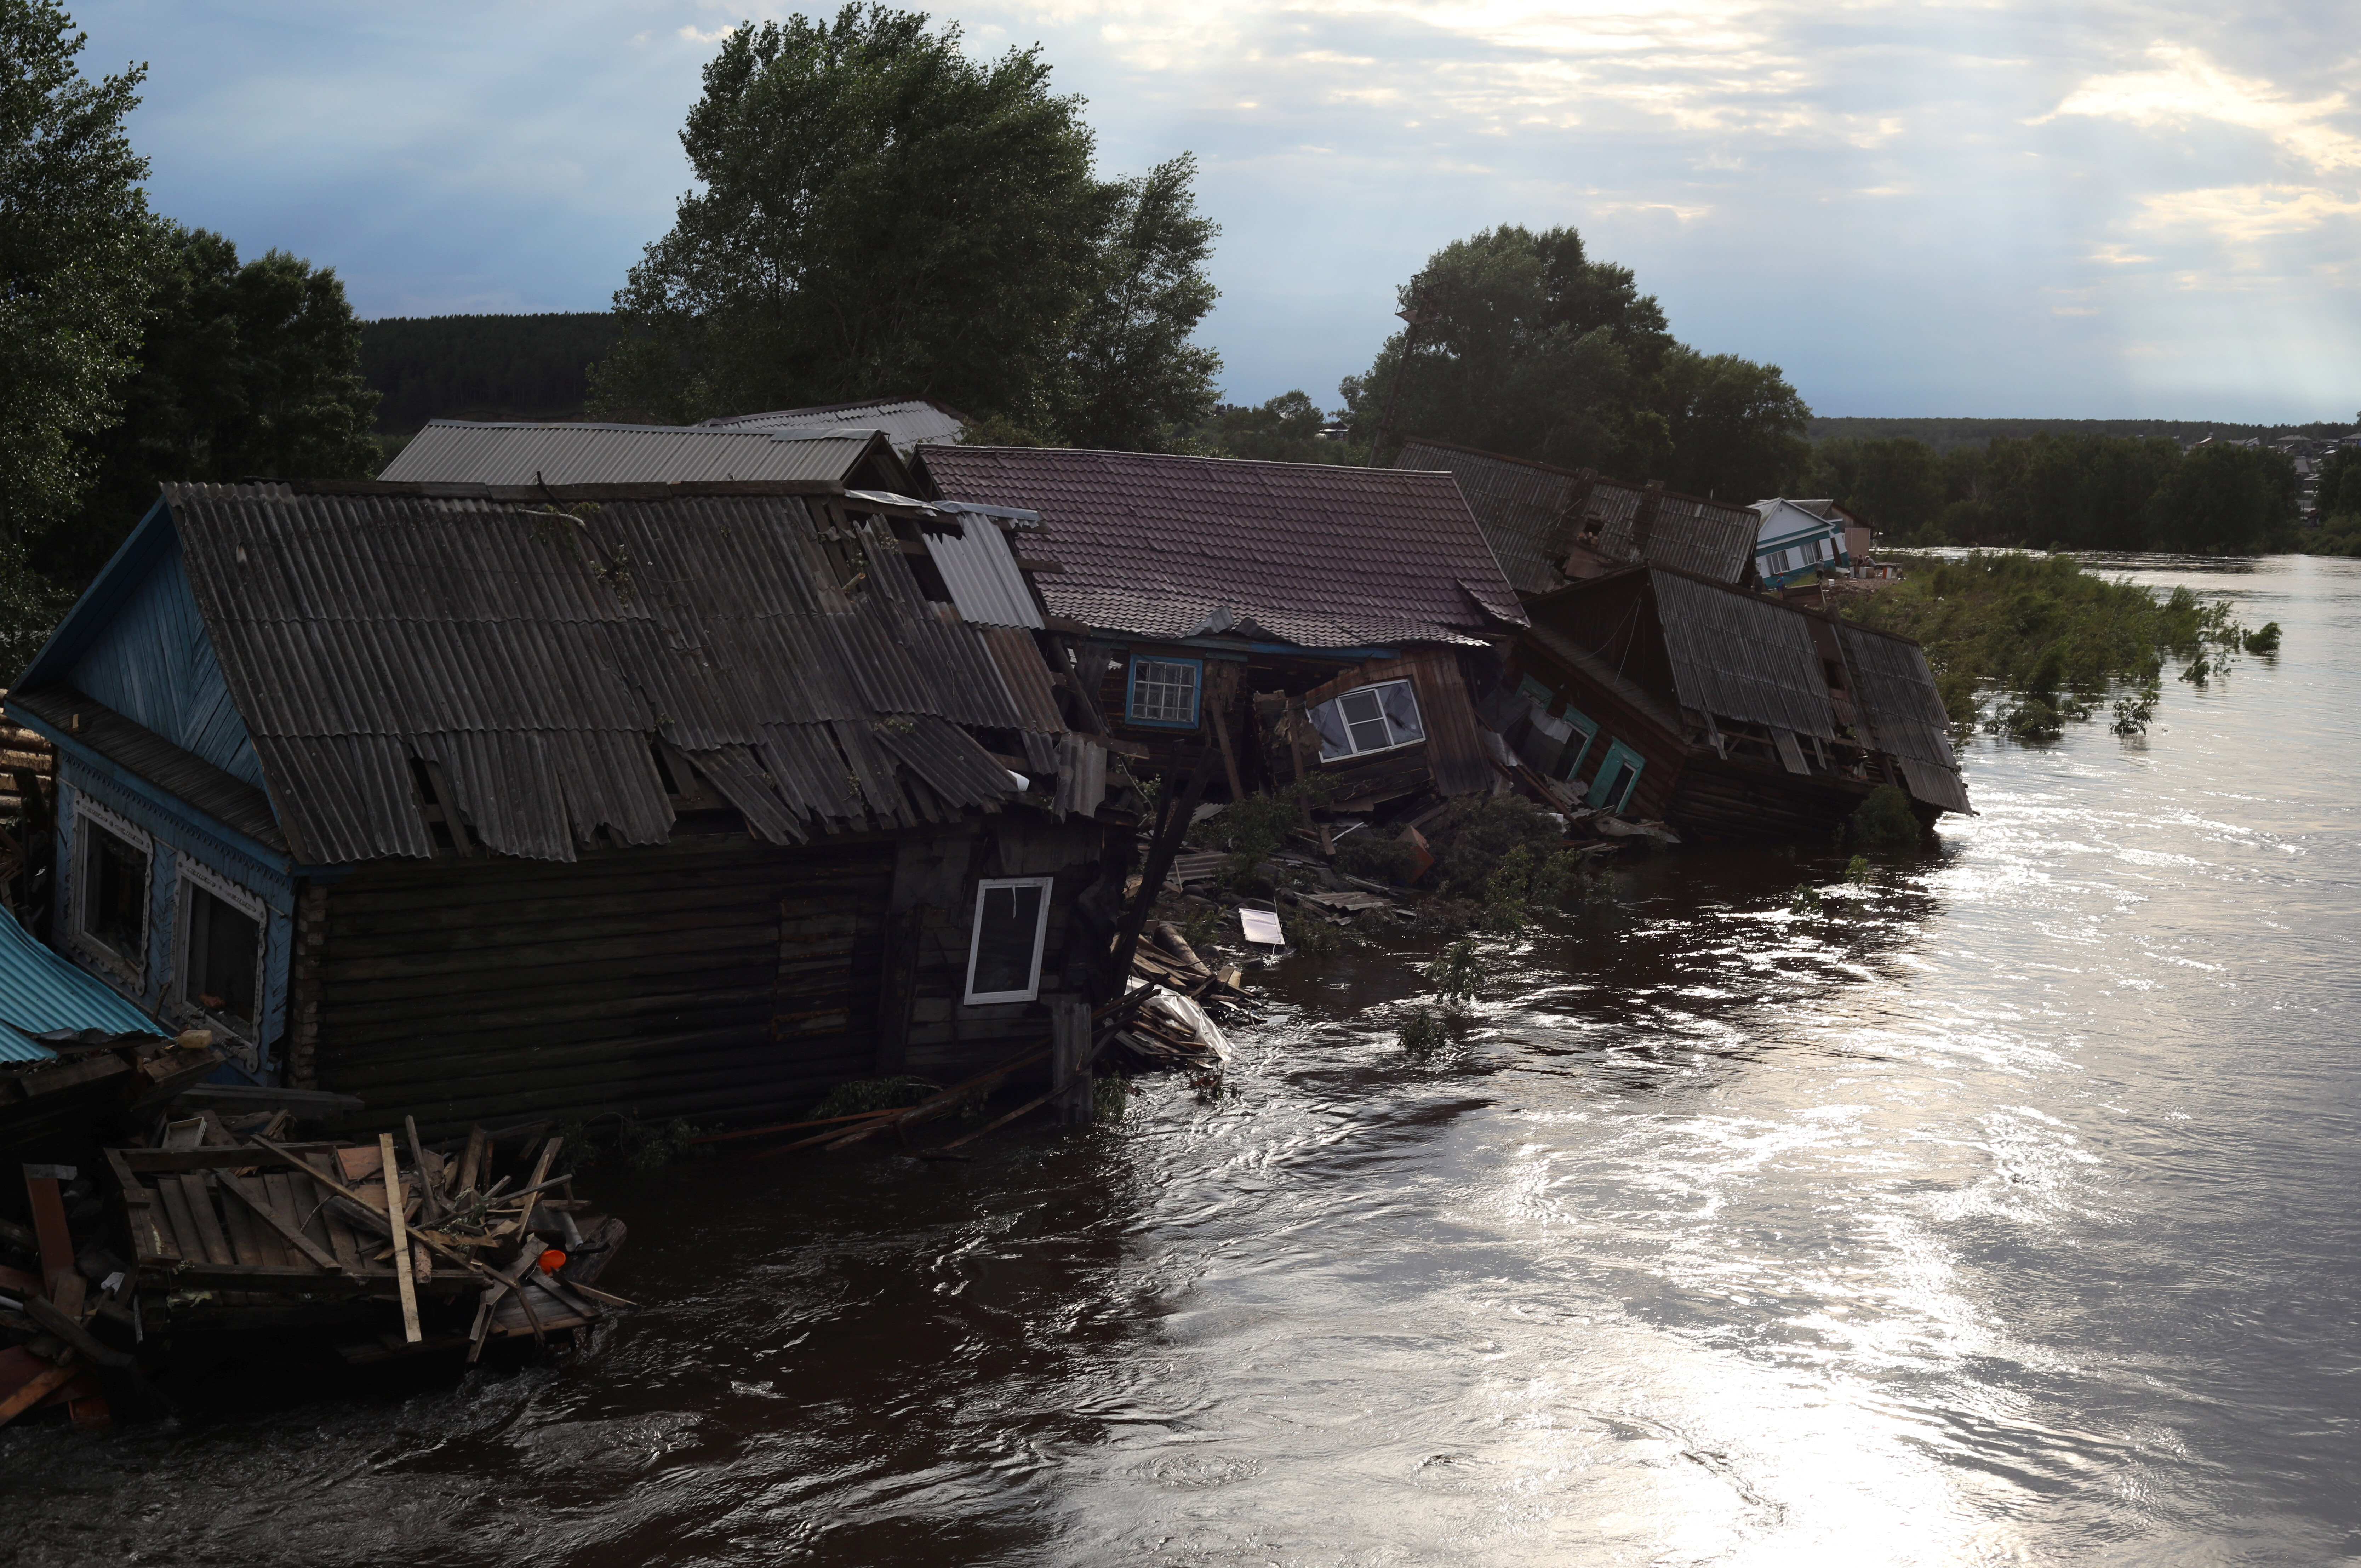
1529,348
878,214
1736,428
77,249
248,369
1132,374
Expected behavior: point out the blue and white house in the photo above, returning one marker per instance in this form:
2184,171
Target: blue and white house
1793,543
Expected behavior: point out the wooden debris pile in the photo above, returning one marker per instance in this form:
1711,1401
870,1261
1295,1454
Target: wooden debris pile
97,1086
412,1248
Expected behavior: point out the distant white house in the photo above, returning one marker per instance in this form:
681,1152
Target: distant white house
1793,543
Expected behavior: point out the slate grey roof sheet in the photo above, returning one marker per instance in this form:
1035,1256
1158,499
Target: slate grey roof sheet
1895,697
981,571
906,422
1315,554
459,450
536,655
1743,656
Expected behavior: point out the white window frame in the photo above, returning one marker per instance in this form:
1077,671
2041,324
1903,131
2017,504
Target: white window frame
970,996
87,811
195,874
1391,743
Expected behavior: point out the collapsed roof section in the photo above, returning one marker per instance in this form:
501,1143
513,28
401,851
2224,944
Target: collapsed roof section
1534,516
1312,555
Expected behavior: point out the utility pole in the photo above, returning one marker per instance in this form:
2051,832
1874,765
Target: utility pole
1422,311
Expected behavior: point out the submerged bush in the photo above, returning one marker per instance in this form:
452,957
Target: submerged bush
1378,860
1475,835
2266,641
1422,1031
1457,974
1884,821
851,1098
2056,634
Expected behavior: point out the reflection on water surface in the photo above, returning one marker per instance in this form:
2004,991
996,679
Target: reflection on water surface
2002,1213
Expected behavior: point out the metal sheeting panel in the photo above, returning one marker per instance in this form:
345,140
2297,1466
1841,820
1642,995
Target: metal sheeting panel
906,422
458,452
1742,657
981,571
1895,697
535,655
1521,507
41,991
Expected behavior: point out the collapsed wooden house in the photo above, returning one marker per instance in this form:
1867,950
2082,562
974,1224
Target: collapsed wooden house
481,802
1550,526
1298,616
1725,713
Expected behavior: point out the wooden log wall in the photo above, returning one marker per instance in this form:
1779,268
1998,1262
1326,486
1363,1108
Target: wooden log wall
22,751
713,977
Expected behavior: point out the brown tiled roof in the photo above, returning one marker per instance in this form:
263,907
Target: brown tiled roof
1316,554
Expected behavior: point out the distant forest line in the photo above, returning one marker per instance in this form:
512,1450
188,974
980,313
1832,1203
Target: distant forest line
1945,434
483,368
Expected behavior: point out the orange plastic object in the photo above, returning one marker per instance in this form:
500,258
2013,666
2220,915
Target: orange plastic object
552,1261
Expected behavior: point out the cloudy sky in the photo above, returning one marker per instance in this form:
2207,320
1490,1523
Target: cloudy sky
1997,207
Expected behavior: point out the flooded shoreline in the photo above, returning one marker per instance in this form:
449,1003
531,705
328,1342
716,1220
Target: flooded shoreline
2000,1212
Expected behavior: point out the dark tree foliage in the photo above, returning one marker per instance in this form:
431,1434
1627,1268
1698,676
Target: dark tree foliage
2067,492
880,214
1286,429
1131,372
2225,500
77,248
247,369
1736,428
1530,349
487,367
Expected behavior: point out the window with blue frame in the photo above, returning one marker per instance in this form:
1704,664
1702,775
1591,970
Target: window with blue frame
1164,692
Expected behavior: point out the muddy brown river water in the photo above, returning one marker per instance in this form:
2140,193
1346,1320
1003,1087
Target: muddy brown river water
2004,1214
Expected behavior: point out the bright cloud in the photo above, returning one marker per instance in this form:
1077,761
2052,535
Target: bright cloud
1912,205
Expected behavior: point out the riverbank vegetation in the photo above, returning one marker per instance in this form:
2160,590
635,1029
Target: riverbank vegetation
2025,644
2066,492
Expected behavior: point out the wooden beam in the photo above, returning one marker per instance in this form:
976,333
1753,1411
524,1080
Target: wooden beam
408,1286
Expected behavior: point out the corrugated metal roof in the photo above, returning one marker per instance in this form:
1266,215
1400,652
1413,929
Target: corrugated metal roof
982,573
906,422
1895,697
1532,514
1743,656
1315,554
41,991
456,451
536,655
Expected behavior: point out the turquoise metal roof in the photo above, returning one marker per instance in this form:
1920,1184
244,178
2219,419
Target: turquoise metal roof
41,990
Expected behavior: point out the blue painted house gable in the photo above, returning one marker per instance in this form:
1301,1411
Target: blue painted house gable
153,663
166,837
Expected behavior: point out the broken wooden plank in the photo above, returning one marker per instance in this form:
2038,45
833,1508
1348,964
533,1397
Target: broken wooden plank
41,1190
294,1241
32,1391
175,1201
401,1275
240,1227
201,1214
